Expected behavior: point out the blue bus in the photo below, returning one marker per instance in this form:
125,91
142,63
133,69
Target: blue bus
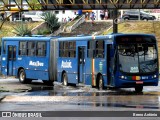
28,58
115,60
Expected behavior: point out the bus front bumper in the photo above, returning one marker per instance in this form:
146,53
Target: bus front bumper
133,83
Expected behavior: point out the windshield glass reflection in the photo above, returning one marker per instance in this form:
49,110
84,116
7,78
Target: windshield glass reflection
137,58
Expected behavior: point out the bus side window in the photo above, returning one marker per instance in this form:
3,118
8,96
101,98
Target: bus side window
99,51
41,48
90,49
67,49
31,49
61,49
72,49
66,52
22,48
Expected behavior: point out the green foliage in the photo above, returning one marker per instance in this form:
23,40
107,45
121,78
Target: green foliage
34,4
51,20
22,30
43,31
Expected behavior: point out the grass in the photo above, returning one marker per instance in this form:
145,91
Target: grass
149,27
7,29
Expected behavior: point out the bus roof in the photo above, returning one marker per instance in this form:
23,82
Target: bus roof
79,38
29,38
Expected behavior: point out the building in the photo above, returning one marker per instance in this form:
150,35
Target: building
65,15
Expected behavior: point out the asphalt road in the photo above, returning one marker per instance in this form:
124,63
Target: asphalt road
39,97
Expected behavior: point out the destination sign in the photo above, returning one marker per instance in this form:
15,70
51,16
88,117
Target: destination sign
135,39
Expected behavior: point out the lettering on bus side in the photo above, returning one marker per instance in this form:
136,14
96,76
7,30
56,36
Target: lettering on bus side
37,63
19,58
66,64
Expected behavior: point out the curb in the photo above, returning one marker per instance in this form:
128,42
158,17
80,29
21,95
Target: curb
1,98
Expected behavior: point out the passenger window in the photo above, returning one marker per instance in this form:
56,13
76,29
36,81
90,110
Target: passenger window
41,48
22,48
67,49
31,49
61,51
72,49
90,49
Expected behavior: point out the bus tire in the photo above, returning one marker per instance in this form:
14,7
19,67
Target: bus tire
138,89
22,76
100,83
65,79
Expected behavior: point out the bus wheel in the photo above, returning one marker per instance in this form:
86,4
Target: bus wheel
100,83
22,76
138,89
65,79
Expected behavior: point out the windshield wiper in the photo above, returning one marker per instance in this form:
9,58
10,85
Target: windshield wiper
132,54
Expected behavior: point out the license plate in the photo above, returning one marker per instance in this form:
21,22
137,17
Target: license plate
139,82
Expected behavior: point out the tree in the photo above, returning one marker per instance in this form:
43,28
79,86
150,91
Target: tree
22,30
2,8
51,20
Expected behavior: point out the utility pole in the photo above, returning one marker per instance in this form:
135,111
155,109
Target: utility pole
115,20
139,15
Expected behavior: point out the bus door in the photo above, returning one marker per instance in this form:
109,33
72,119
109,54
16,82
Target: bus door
81,64
109,63
11,58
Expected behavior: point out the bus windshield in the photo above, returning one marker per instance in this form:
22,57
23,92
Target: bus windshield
137,58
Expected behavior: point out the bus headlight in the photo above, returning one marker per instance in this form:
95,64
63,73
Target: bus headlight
155,76
122,77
